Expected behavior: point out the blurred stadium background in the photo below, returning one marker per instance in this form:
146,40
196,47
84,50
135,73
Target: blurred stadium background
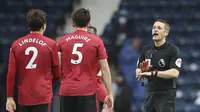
125,26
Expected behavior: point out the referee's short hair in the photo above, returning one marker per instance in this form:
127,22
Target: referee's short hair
167,27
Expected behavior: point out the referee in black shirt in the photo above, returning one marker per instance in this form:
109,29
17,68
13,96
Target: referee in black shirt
160,63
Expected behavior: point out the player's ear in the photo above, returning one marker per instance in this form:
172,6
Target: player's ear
166,33
44,26
73,24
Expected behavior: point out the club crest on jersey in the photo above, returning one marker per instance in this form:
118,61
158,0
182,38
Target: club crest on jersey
178,62
161,63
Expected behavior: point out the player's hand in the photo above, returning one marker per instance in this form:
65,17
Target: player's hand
138,76
144,66
109,102
144,74
10,105
119,80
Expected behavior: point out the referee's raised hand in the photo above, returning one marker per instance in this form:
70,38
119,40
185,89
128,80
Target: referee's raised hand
144,66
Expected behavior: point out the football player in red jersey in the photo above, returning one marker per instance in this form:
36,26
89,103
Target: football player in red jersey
81,54
34,58
101,91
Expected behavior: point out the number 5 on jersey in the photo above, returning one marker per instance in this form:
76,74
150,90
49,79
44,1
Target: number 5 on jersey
75,51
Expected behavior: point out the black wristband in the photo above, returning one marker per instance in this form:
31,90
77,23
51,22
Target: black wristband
152,73
156,73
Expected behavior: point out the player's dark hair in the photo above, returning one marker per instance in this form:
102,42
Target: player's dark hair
167,27
94,30
36,19
81,17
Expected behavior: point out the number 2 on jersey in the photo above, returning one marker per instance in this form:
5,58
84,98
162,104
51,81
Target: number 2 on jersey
30,64
75,51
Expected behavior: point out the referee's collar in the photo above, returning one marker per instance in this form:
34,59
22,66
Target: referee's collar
162,46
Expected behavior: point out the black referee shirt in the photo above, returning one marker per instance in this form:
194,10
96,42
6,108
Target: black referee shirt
161,58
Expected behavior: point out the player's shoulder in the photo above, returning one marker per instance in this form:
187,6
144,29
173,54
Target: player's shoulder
16,42
63,38
172,47
147,47
95,39
49,40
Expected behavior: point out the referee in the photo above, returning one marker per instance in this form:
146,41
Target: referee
160,63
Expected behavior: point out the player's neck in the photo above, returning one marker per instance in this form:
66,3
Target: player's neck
159,43
39,32
84,29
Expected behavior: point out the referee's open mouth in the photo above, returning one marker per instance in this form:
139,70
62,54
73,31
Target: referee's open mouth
155,34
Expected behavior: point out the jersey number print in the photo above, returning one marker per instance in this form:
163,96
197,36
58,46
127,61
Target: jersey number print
30,64
75,51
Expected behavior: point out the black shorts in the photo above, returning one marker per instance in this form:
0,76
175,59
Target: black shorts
2,99
78,103
35,108
160,101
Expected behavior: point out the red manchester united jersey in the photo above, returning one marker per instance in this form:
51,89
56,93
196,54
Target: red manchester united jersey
80,55
35,59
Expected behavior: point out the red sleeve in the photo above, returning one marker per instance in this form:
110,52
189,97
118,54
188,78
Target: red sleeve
11,74
55,63
59,45
101,51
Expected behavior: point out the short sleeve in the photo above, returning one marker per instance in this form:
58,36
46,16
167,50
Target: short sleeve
176,60
101,51
141,57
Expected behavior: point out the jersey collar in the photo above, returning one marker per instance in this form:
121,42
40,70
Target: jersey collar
162,46
34,33
79,30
